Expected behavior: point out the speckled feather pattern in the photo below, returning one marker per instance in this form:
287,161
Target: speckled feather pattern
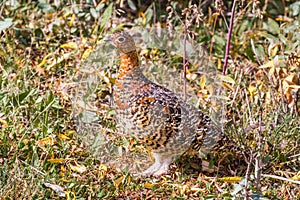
155,116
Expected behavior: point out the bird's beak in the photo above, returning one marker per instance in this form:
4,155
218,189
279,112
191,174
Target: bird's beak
108,38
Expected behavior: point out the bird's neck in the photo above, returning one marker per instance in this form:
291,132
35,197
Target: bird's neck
129,63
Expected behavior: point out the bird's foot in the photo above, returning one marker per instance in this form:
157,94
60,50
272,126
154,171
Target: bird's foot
160,167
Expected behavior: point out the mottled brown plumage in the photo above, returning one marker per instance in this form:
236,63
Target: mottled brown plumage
155,116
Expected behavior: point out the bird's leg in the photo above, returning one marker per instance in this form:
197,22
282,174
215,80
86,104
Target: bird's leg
161,165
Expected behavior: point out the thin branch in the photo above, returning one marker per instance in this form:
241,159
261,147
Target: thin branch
2,7
255,52
184,50
280,178
258,158
184,59
33,168
229,38
247,176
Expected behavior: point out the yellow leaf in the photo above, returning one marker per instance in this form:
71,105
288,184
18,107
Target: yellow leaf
226,79
148,185
104,77
231,179
67,15
45,141
57,160
252,90
154,51
69,132
184,189
269,64
219,64
72,20
44,60
62,170
3,123
65,180
144,19
202,81
296,177
283,19
102,171
226,85
63,137
70,195
69,45
78,168
59,60
86,53
273,49
118,181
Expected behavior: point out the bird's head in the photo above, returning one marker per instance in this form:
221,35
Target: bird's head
122,41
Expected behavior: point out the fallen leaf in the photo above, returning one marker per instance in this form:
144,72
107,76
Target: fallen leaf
63,137
86,53
56,188
148,185
69,45
102,171
226,79
45,141
57,160
3,123
231,179
78,168
202,81
118,181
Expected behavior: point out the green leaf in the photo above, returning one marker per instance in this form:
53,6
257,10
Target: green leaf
106,16
260,51
295,8
44,6
21,97
6,23
219,40
94,13
272,26
131,5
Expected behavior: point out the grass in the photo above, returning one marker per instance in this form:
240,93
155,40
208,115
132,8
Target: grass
44,120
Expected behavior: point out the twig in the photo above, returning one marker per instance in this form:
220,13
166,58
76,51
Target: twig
2,8
185,32
229,38
296,96
33,168
258,158
280,178
184,59
292,156
254,51
248,175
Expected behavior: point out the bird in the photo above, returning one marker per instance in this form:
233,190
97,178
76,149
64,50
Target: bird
156,117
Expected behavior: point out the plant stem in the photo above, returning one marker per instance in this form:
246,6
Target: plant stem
229,38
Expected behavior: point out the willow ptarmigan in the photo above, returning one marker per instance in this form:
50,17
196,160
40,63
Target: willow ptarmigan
155,116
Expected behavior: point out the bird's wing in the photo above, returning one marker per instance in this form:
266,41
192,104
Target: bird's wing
159,114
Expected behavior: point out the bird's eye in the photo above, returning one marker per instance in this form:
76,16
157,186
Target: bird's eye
121,39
